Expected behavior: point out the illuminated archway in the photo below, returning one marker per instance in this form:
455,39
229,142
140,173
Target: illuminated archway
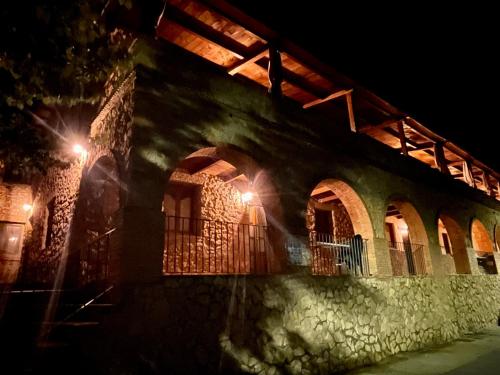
407,239
221,211
340,230
483,247
452,242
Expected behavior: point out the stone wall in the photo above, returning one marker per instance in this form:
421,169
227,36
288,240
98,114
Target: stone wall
342,225
218,240
295,324
60,184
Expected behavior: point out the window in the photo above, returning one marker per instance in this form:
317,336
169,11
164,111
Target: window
446,243
323,221
389,229
10,240
48,222
181,205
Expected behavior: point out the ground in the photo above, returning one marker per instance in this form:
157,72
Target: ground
472,354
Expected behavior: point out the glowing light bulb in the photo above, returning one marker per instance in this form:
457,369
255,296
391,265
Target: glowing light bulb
78,149
246,197
27,207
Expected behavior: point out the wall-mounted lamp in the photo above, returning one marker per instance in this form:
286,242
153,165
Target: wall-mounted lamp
27,207
246,197
78,149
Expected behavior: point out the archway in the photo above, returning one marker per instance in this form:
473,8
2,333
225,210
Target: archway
452,242
96,219
483,247
340,230
220,210
407,239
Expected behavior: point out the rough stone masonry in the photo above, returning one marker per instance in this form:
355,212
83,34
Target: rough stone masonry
291,324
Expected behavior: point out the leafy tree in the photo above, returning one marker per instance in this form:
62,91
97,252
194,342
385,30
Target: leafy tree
56,52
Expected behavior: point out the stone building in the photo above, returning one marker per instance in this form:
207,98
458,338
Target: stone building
255,211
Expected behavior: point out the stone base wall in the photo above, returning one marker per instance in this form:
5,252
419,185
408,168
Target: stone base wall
294,324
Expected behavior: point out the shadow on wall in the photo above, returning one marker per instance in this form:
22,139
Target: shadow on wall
231,325
175,120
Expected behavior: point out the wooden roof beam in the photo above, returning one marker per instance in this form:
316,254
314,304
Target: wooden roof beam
204,31
240,65
335,95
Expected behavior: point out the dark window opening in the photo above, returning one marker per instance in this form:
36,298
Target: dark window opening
446,242
49,222
323,221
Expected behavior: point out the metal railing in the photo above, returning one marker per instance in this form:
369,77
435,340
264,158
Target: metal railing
407,258
486,262
333,256
95,259
201,246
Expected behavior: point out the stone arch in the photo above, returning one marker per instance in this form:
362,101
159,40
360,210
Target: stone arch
225,211
480,237
407,238
458,246
483,247
349,219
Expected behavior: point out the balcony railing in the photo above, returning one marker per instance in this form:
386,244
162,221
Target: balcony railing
407,258
95,259
486,262
333,256
201,246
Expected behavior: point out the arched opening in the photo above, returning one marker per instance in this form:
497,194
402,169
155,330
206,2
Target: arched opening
452,243
98,210
340,230
218,206
407,238
483,247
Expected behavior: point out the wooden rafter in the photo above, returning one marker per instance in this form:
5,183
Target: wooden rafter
240,65
350,111
402,137
336,94
204,31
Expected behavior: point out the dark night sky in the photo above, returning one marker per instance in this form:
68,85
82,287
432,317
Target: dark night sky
439,64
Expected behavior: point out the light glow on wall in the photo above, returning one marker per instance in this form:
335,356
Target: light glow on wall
403,229
246,197
78,149
27,207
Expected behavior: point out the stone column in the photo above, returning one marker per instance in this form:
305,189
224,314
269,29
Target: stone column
382,261
471,254
496,255
142,252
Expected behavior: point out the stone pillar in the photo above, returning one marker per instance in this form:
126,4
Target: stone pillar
496,255
382,259
471,254
142,252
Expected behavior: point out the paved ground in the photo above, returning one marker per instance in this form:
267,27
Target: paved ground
477,354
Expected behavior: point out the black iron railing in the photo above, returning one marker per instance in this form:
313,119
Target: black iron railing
407,258
334,256
95,259
201,246
486,262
